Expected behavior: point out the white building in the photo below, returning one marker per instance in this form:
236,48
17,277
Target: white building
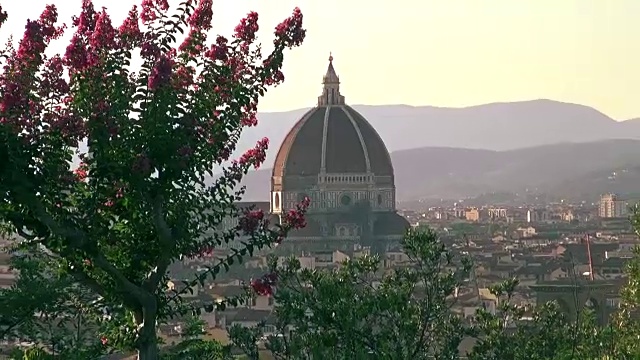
612,207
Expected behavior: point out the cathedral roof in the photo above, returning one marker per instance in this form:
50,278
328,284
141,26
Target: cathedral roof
332,138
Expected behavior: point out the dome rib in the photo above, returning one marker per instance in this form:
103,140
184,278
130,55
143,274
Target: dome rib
344,153
360,137
287,143
325,130
376,148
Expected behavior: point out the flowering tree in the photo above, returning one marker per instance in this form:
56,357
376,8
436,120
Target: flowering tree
140,198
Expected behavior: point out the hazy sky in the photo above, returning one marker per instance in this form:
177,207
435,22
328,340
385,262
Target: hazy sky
438,52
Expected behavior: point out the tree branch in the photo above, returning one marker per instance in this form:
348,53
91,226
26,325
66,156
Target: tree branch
78,240
84,279
167,241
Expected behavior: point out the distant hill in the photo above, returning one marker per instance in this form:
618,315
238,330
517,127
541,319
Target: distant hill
498,126
567,169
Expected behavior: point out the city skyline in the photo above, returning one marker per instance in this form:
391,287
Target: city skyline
455,54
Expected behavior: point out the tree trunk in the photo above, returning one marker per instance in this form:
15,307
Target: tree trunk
148,350
148,340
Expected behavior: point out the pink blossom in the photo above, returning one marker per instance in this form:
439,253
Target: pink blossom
265,285
246,30
294,218
36,37
202,16
249,119
192,44
130,30
103,37
183,76
151,8
53,81
206,252
290,32
161,73
256,156
219,50
86,22
81,172
149,49
277,77
250,221
76,55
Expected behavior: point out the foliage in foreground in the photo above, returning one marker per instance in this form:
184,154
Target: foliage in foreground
364,311
148,139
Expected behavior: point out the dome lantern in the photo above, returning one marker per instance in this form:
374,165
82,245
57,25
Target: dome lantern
331,87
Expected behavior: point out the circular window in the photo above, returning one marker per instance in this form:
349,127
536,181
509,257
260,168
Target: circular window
345,200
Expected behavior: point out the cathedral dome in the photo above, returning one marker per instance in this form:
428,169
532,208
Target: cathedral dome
332,139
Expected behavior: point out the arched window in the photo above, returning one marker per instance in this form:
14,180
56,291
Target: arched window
276,201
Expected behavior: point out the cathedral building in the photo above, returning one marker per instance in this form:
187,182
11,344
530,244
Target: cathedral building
336,158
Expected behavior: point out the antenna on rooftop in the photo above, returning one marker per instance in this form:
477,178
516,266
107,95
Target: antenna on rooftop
474,276
590,259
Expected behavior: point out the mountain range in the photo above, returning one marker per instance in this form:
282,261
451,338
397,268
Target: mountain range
539,145
569,170
497,126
